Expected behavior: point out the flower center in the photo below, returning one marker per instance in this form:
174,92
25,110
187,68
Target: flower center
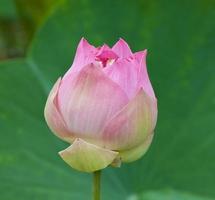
106,56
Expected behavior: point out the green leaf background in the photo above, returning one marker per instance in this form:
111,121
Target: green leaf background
180,165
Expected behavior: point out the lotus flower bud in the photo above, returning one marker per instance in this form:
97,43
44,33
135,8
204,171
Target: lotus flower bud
104,107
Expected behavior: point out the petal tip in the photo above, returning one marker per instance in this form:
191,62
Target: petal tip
83,42
121,41
122,49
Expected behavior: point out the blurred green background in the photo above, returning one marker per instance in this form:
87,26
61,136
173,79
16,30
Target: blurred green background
38,39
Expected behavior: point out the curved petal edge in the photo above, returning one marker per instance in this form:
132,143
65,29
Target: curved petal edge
143,78
132,125
137,152
53,117
87,157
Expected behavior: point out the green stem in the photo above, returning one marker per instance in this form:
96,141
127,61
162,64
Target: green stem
96,185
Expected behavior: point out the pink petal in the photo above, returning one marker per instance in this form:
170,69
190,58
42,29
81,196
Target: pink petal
53,117
143,78
125,73
89,100
121,48
132,125
85,54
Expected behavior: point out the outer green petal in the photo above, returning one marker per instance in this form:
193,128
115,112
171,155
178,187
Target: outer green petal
137,152
87,157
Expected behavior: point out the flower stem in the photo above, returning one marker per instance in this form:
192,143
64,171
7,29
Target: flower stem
96,185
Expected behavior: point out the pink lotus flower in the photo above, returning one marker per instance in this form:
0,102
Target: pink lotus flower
104,106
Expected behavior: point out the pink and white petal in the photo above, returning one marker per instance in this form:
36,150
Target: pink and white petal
85,54
87,157
143,78
90,100
122,49
125,73
54,118
136,152
132,125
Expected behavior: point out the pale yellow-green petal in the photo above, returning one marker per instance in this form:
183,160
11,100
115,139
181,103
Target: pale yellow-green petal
117,162
87,157
137,152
